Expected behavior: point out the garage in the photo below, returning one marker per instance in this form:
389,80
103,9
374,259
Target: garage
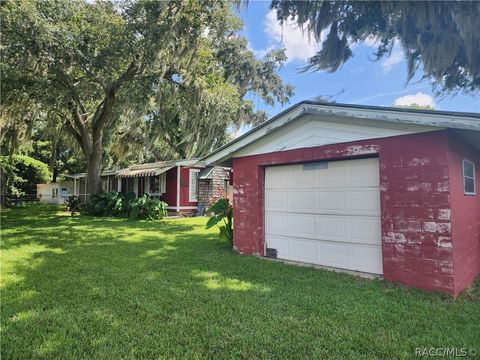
376,190
325,213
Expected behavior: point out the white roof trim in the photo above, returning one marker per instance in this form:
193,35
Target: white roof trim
442,120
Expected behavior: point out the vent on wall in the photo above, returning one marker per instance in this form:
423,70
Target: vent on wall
315,165
271,253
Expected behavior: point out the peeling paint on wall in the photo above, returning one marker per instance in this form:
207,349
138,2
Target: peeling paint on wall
418,241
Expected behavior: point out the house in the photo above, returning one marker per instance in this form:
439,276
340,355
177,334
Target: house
386,191
195,186
54,193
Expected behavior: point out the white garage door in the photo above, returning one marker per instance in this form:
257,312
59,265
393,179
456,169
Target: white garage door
325,213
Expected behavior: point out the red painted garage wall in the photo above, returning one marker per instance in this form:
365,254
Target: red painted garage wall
465,215
415,203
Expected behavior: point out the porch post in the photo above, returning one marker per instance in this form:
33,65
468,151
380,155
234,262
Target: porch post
178,188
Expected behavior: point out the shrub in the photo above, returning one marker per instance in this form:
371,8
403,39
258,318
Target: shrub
148,208
109,204
126,205
222,212
23,173
73,204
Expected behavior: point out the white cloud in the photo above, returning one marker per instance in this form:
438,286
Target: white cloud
371,41
419,98
259,53
298,45
395,58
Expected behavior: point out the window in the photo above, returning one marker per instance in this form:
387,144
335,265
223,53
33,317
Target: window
158,184
468,177
127,185
154,185
112,183
130,185
53,193
193,188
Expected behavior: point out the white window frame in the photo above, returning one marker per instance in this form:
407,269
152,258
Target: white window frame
163,183
192,198
464,161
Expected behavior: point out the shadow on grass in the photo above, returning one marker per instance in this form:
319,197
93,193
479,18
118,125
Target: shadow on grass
113,288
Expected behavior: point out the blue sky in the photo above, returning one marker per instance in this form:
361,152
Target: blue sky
359,81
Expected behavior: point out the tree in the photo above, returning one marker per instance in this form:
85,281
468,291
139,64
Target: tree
108,70
204,97
78,58
439,37
22,173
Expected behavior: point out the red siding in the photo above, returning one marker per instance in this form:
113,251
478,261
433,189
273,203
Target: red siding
184,187
465,215
415,203
170,196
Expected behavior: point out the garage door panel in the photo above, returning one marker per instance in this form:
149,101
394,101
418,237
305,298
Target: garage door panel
326,214
332,176
332,228
303,201
366,258
276,223
365,231
365,201
331,201
303,250
275,179
282,244
276,200
332,254
301,226
298,178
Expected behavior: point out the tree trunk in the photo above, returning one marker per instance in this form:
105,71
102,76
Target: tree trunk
94,160
53,160
93,146
94,183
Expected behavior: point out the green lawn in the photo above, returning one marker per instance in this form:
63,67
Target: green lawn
90,288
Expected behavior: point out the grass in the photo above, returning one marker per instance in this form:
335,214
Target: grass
81,287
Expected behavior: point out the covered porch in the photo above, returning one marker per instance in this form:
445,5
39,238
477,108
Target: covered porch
175,183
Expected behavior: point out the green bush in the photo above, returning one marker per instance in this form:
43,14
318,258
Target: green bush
73,203
222,212
23,173
126,205
148,208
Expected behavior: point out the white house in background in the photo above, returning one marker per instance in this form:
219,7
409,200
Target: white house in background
55,193
185,185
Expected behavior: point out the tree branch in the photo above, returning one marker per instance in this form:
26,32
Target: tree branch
74,133
67,83
104,110
82,130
